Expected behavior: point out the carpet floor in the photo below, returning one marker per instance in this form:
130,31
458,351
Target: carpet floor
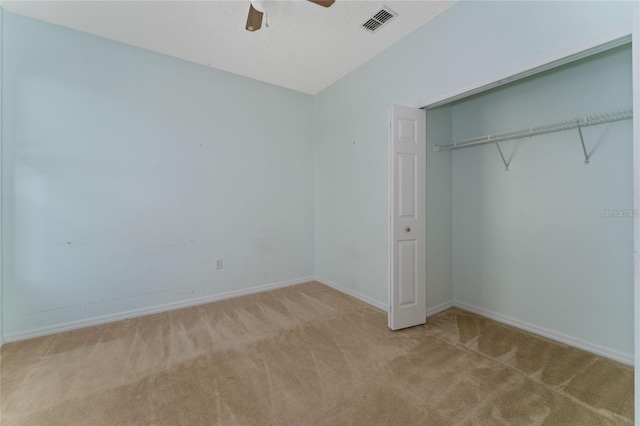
307,355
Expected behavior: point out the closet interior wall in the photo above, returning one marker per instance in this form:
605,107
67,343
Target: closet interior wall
543,244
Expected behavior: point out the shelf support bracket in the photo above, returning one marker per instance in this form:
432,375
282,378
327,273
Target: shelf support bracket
506,165
584,150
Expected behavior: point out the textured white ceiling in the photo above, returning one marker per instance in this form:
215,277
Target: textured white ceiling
306,47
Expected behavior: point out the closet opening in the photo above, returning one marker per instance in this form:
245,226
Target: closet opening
530,200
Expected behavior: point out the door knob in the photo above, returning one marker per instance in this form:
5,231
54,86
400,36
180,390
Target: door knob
408,229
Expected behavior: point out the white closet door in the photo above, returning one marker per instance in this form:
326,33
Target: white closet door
408,287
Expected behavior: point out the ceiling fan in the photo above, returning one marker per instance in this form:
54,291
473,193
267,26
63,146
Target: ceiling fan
257,9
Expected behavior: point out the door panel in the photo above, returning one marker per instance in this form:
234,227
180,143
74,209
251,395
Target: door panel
407,285
407,186
408,218
407,130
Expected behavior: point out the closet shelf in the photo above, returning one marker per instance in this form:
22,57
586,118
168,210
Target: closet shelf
576,123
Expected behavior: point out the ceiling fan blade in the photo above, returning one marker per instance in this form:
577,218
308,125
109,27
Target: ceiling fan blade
254,20
325,3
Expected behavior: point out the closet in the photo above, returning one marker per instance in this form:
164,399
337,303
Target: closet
530,203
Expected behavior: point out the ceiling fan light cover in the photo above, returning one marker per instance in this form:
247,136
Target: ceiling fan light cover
263,5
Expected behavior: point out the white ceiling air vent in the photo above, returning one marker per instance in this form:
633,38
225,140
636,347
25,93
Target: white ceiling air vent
379,19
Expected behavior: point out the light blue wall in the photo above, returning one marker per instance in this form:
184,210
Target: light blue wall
532,243
466,45
127,173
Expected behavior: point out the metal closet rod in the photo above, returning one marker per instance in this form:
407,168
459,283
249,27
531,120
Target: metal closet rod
577,123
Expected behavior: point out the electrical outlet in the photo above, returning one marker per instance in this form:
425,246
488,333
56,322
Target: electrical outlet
218,263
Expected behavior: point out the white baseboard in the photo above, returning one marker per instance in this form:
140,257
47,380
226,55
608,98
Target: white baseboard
377,304
355,294
439,308
559,337
74,325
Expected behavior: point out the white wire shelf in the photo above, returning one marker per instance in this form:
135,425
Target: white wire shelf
576,123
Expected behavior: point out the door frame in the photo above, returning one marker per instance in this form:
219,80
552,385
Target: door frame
543,63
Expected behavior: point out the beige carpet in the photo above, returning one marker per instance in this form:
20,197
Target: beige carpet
307,355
